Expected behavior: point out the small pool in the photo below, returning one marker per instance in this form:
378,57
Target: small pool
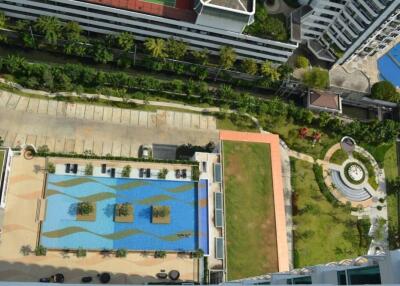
389,66
61,230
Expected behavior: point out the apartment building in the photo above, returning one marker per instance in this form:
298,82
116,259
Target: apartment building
339,30
369,269
107,16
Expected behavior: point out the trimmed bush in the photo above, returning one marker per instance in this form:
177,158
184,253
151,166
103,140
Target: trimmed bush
302,62
51,168
160,254
319,176
80,252
122,252
40,250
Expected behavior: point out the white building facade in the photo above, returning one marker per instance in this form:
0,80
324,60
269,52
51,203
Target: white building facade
105,19
350,28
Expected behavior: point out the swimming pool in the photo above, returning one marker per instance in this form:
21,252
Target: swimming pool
389,66
60,228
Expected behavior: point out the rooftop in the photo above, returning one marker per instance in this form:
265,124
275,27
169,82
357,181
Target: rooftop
240,5
325,99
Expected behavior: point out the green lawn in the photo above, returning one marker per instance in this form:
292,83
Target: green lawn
289,133
322,232
338,157
391,172
250,216
235,122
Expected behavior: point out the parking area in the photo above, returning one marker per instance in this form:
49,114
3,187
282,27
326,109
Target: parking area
71,127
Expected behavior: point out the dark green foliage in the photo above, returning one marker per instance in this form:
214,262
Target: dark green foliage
85,208
123,209
121,252
199,253
186,151
40,250
80,252
126,171
51,168
195,173
316,78
160,254
319,177
385,90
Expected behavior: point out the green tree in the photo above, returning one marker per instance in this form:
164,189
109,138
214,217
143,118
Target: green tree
50,27
75,44
125,41
302,62
51,168
249,66
269,72
123,209
275,28
202,56
24,30
126,171
121,252
3,23
176,49
40,250
385,90
101,54
13,63
227,57
85,208
156,48
317,78
89,169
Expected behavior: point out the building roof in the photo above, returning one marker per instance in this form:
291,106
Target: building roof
324,99
239,5
182,10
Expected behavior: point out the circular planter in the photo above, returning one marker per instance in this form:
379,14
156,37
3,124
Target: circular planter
354,173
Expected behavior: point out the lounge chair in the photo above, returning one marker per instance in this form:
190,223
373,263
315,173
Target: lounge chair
112,174
67,168
148,173
177,173
103,168
184,174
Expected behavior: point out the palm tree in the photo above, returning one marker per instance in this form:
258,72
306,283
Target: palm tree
201,56
156,47
101,54
72,31
249,66
75,41
176,49
13,63
268,71
227,57
125,41
50,27
24,30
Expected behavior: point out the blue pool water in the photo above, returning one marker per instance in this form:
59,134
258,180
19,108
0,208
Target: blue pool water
389,66
60,229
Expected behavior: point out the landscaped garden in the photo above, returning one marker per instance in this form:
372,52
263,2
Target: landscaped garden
250,217
323,230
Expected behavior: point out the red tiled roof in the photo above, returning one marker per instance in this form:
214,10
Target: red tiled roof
183,9
324,99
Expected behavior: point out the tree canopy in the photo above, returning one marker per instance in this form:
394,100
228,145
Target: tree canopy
316,77
176,49
302,62
156,47
125,41
250,66
50,27
385,90
227,57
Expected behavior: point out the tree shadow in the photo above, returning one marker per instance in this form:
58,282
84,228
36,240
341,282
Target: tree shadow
145,213
109,210
73,209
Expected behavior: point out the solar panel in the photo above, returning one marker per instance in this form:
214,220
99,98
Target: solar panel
217,173
218,201
219,247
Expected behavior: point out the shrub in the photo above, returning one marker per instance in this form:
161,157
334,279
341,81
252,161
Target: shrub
302,62
122,252
163,173
40,250
85,208
161,211
123,209
160,254
80,252
385,90
43,149
316,78
89,169
51,168
195,173
199,253
381,200
126,171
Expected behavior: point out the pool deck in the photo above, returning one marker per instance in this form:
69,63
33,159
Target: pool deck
21,228
279,203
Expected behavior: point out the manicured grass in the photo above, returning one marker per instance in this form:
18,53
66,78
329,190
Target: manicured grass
322,232
391,172
235,122
370,169
250,216
338,157
289,133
